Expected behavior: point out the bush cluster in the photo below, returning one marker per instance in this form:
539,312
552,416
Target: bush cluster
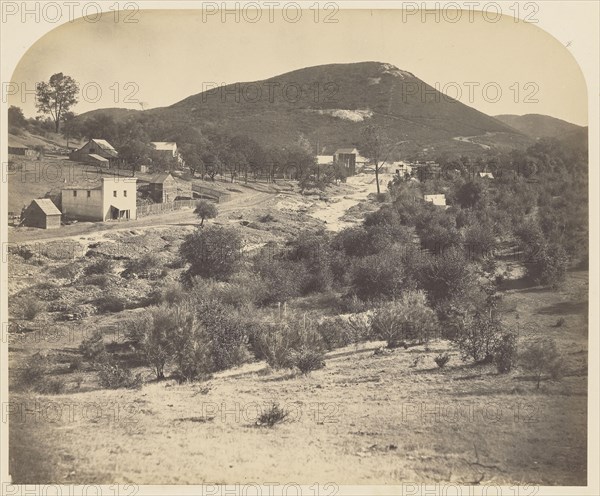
196,339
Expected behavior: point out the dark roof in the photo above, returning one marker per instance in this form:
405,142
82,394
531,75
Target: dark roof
160,178
46,206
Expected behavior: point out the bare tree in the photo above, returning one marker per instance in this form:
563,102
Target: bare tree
377,147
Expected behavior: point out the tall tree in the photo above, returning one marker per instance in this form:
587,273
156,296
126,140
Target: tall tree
56,97
16,117
71,128
376,146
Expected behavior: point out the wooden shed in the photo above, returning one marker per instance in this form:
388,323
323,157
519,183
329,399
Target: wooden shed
95,151
42,213
15,148
163,188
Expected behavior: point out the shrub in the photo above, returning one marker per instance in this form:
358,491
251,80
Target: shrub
173,294
226,333
546,264
337,332
279,342
212,252
112,376
190,344
310,254
441,360
51,386
148,265
478,337
267,218
76,364
350,303
406,320
110,303
307,359
355,242
446,277
438,237
479,240
91,348
283,279
382,197
542,358
31,307
206,210
471,194
198,340
274,415
382,274
68,271
505,352
560,322
103,266
32,372
244,290
150,333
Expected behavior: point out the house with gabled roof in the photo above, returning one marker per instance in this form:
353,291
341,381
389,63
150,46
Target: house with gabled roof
16,148
168,151
42,213
100,199
96,152
164,188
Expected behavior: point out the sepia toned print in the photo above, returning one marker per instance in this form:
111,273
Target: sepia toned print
292,249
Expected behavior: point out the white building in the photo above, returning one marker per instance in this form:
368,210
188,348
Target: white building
110,198
168,149
324,159
437,200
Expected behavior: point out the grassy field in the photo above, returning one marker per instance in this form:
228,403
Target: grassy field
367,417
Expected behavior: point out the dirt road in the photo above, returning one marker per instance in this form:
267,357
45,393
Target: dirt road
91,231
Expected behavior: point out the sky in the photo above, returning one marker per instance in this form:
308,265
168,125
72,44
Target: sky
504,67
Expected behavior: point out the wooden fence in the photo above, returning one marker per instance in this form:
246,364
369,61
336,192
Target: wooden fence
159,208
211,193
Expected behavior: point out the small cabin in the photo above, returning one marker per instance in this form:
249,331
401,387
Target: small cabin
42,213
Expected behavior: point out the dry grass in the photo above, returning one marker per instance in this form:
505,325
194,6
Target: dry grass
364,418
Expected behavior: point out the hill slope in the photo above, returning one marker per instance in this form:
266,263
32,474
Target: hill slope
330,104
540,126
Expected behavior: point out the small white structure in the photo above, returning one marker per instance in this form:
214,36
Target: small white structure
168,149
324,159
437,200
487,175
112,198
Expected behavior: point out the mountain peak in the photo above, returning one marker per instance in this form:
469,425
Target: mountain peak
393,70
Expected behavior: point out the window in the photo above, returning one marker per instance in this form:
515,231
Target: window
74,193
89,193
125,193
115,194
92,149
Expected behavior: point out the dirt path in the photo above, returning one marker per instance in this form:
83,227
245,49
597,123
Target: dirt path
93,231
333,211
